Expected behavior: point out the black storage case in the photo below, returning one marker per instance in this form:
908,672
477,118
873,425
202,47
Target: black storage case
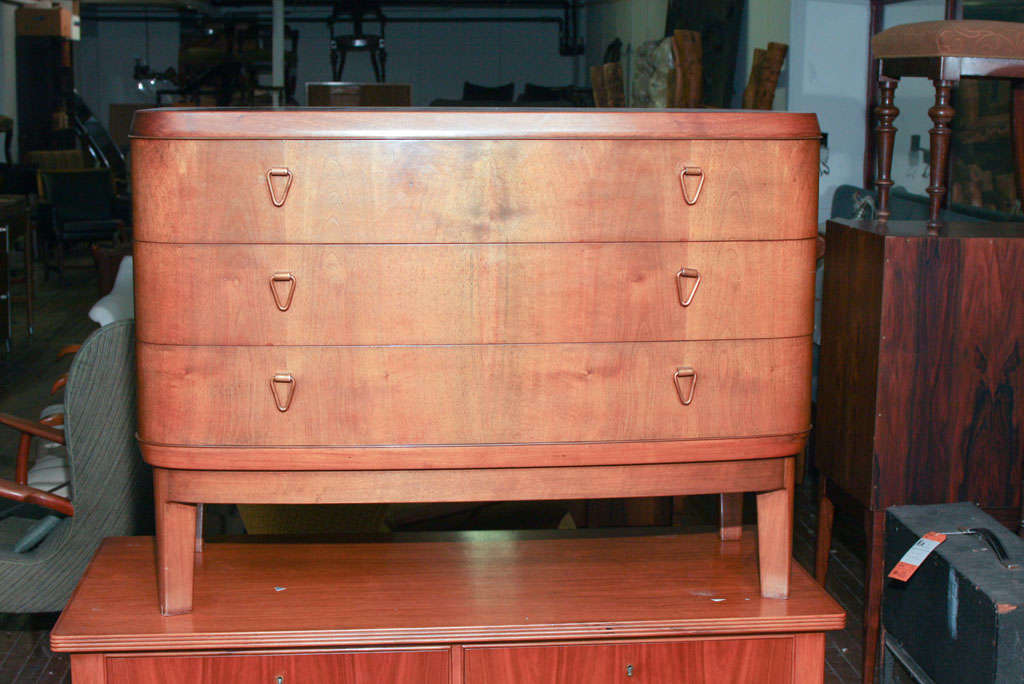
960,617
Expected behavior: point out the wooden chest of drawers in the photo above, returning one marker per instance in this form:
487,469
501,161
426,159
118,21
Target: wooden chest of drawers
346,306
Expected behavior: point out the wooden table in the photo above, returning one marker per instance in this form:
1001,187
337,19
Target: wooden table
471,607
921,377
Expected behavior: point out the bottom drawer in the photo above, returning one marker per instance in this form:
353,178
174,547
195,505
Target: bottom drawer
698,661
381,667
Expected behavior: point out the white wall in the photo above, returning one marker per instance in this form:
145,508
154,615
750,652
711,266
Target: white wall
435,58
764,21
828,61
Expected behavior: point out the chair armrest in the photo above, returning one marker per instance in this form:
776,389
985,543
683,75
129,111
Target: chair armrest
69,349
32,427
19,492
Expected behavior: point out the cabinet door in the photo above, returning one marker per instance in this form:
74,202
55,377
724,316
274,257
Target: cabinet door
388,667
709,661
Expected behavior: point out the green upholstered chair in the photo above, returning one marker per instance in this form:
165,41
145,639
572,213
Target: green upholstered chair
944,51
78,205
111,491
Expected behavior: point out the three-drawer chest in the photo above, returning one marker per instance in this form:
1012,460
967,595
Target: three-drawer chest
347,306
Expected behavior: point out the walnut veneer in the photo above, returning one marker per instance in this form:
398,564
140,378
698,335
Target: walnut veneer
472,608
341,306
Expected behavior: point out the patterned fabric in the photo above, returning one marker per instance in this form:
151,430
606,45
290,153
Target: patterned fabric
112,486
966,38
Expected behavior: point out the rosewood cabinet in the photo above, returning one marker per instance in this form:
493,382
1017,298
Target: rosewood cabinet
921,378
479,608
402,306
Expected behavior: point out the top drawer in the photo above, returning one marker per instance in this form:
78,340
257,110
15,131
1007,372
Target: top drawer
444,191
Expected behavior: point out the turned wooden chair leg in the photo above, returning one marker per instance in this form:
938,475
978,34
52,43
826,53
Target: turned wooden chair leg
775,536
886,113
826,515
940,114
175,548
731,523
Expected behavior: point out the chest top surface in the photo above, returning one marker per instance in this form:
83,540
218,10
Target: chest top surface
476,123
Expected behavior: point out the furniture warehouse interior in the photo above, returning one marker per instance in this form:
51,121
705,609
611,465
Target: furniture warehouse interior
511,341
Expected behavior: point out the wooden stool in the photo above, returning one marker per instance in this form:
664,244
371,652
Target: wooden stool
944,51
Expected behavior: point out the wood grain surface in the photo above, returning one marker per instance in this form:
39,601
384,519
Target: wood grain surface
848,376
480,484
471,456
481,588
408,667
471,294
952,394
921,369
704,661
457,191
486,394
433,123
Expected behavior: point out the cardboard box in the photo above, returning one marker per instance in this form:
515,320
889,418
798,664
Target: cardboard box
55,21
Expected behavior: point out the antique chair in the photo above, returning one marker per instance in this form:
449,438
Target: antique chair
944,51
110,491
77,206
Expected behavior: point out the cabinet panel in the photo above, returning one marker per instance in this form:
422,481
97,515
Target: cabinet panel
474,394
472,294
410,667
711,661
417,191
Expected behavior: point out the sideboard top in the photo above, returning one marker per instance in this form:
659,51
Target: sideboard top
475,123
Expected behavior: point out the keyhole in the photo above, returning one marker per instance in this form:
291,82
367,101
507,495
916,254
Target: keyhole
279,679
629,670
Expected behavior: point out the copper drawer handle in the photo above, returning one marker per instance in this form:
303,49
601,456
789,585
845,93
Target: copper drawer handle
279,201
283,381
681,373
283,301
691,171
681,277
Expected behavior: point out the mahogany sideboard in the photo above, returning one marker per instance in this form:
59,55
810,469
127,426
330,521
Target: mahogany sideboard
919,397
473,608
347,306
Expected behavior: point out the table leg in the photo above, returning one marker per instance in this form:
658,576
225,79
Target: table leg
775,536
826,516
874,578
175,548
731,523
29,238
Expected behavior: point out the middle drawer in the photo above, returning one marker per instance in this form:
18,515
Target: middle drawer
197,294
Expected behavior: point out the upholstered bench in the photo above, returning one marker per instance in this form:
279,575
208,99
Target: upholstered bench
944,51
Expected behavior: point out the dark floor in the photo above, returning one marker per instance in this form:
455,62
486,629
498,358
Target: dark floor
27,372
